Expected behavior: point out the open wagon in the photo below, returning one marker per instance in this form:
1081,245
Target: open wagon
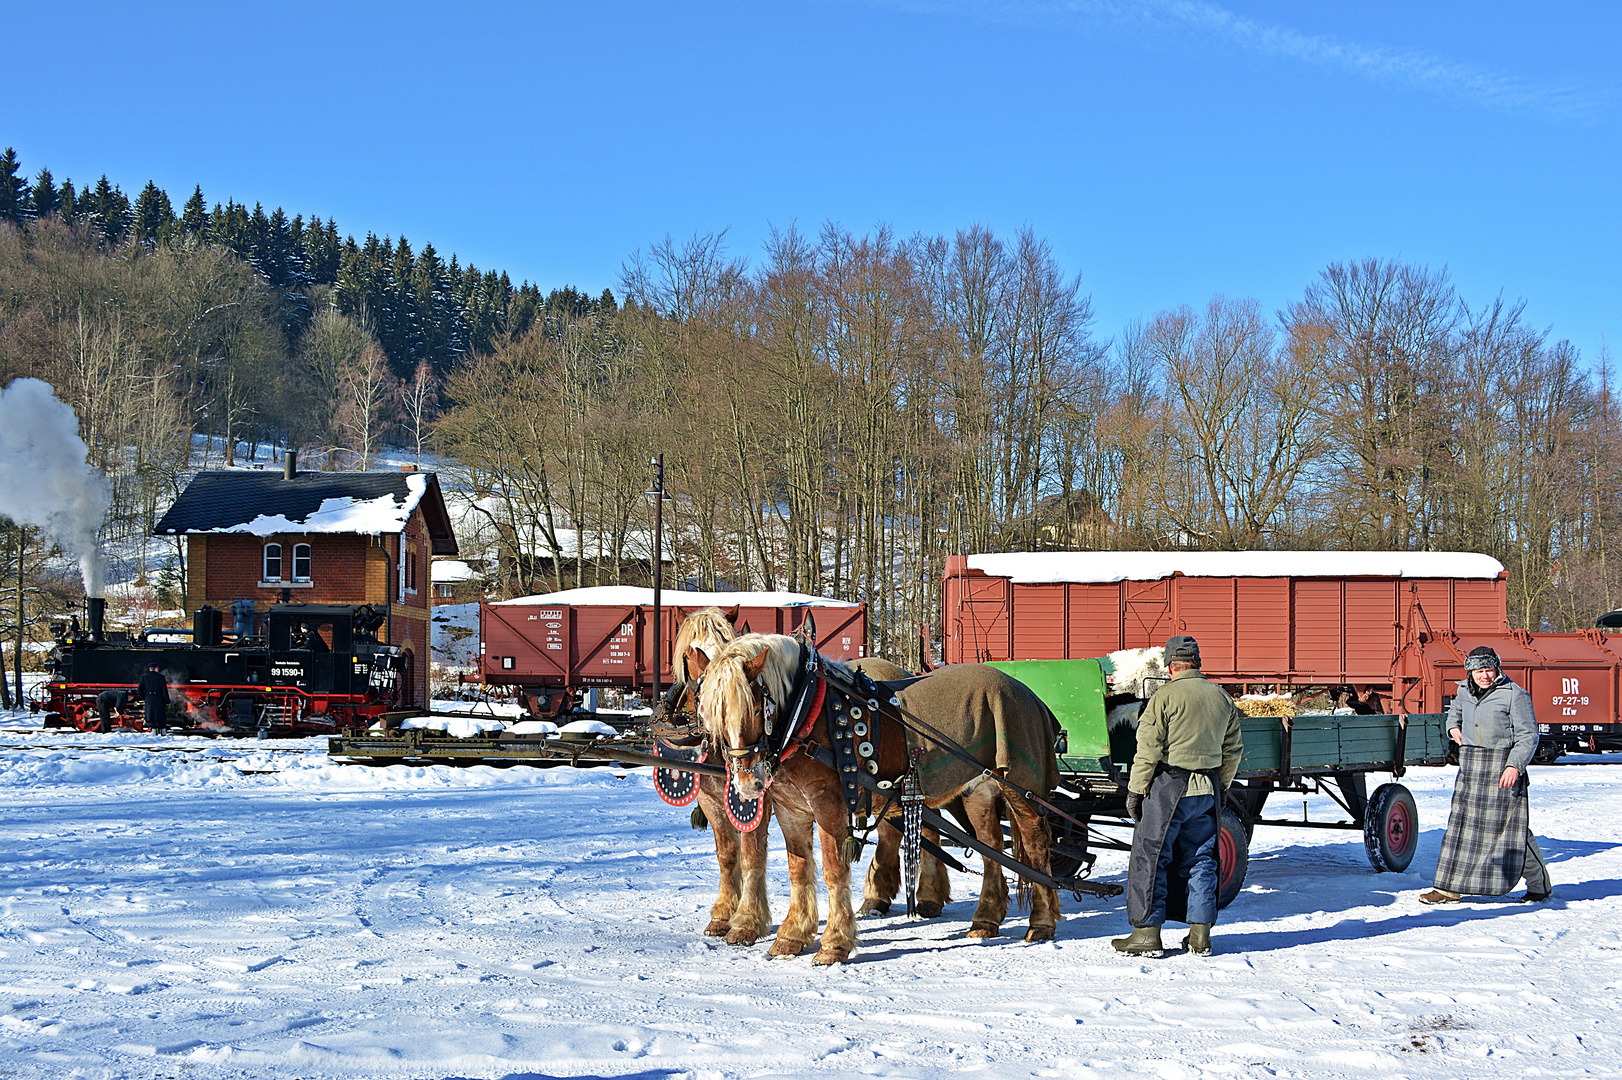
1324,754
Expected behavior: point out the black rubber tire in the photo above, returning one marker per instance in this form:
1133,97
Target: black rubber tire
1391,829
1233,857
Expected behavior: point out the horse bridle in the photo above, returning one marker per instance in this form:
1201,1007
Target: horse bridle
804,701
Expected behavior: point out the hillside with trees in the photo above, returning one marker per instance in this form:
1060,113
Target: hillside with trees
837,416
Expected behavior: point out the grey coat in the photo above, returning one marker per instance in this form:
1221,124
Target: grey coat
1501,719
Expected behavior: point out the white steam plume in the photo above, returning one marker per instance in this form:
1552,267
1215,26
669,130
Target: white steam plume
45,474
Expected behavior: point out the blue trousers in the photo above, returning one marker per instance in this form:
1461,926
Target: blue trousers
1190,853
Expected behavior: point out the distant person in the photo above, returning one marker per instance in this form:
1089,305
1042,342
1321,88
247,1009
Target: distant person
313,640
1188,754
109,702
154,692
1489,844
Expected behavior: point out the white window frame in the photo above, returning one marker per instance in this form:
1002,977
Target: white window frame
308,562
264,565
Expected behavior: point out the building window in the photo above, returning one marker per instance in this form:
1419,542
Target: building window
301,562
411,570
444,592
273,562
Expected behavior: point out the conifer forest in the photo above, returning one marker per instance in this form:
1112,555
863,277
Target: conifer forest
837,412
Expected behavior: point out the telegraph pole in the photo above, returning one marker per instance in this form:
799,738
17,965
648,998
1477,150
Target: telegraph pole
658,493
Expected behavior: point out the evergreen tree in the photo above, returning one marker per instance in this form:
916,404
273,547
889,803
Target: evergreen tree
68,203
154,216
194,218
46,200
109,210
14,201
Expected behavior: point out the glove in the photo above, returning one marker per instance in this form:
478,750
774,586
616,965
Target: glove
1134,806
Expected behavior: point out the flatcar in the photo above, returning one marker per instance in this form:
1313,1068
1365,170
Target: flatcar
315,669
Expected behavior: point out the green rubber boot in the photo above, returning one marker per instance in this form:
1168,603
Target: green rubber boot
1198,941
1145,941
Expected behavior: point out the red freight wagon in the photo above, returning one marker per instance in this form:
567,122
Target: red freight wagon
556,646
1300,618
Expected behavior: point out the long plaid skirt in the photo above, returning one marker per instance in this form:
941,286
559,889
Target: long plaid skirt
1484,851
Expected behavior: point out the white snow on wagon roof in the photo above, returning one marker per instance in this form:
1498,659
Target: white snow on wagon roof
629,595
1047,567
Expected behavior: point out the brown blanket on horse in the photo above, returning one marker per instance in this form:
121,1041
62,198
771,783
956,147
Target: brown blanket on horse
993,716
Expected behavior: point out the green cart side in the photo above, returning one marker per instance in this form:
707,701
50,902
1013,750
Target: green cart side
1325,754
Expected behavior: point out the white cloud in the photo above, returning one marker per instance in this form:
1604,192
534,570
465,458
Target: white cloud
1201,19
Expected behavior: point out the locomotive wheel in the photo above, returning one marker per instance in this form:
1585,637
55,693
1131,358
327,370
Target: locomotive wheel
1233,858
1391,829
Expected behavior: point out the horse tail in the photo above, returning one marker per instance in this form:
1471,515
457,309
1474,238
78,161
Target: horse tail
698,818
1024,890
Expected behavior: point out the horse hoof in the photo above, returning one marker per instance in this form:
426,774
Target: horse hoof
787,947
978,931
873,907
742,937
832,956
717,928
929,911
1044,933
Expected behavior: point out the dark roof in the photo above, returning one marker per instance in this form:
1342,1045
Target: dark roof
265,503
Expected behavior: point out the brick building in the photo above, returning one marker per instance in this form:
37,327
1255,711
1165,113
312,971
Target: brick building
317,538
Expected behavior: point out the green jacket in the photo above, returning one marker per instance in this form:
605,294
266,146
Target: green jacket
1190,723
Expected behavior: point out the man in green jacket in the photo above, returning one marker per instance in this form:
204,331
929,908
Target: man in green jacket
1188,754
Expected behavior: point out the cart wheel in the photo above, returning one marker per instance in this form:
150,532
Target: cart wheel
1391,829
1233,858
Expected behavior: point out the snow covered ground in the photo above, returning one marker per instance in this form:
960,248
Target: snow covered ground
185,908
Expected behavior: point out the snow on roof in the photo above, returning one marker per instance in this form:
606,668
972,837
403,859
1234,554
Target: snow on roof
266,504
629,595
447,571
1042,567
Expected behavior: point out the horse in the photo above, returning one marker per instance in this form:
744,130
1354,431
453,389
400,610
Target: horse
741,912
998,721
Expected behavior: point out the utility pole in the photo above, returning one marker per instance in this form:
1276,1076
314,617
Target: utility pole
658,493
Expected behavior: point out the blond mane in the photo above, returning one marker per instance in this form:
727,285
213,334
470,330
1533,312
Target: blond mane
706,629
726,701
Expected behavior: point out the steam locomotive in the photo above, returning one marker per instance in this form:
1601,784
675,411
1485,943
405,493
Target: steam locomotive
313,669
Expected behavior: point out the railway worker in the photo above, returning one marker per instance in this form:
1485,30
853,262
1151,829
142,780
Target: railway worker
1489,844
1188,754
154,691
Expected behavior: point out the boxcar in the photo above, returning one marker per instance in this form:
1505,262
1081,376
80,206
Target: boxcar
554,647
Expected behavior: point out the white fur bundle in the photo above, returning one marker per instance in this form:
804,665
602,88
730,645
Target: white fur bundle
1129,668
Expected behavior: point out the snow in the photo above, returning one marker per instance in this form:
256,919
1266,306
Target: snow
213,910
1048,567
631,595
450,571
454,635
461,727
383,514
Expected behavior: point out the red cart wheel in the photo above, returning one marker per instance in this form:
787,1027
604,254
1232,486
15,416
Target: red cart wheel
1233,858
1391,829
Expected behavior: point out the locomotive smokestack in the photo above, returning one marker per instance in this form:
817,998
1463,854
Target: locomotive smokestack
97,608
290,465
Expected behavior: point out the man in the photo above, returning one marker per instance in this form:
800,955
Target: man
154,691
1489,846
1188,754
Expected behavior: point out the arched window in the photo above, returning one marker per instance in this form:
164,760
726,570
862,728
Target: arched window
273,562
301,562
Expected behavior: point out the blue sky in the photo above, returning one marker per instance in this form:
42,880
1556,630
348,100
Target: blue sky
1167,149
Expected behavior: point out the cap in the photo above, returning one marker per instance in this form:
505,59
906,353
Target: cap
1480,658
1182,648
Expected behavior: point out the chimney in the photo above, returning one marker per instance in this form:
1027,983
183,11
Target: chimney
290,465
97,606
408,468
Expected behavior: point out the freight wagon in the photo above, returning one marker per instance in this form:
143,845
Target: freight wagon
554,647
1384,632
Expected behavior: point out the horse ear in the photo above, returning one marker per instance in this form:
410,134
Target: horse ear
755,665
731,613
696,660
808,629
744,629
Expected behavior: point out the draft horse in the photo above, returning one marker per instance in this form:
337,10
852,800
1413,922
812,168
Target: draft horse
771,709
742,912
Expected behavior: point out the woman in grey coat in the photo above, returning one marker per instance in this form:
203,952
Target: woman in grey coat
1489,846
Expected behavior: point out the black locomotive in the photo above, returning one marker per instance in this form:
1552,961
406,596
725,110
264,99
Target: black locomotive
300,669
